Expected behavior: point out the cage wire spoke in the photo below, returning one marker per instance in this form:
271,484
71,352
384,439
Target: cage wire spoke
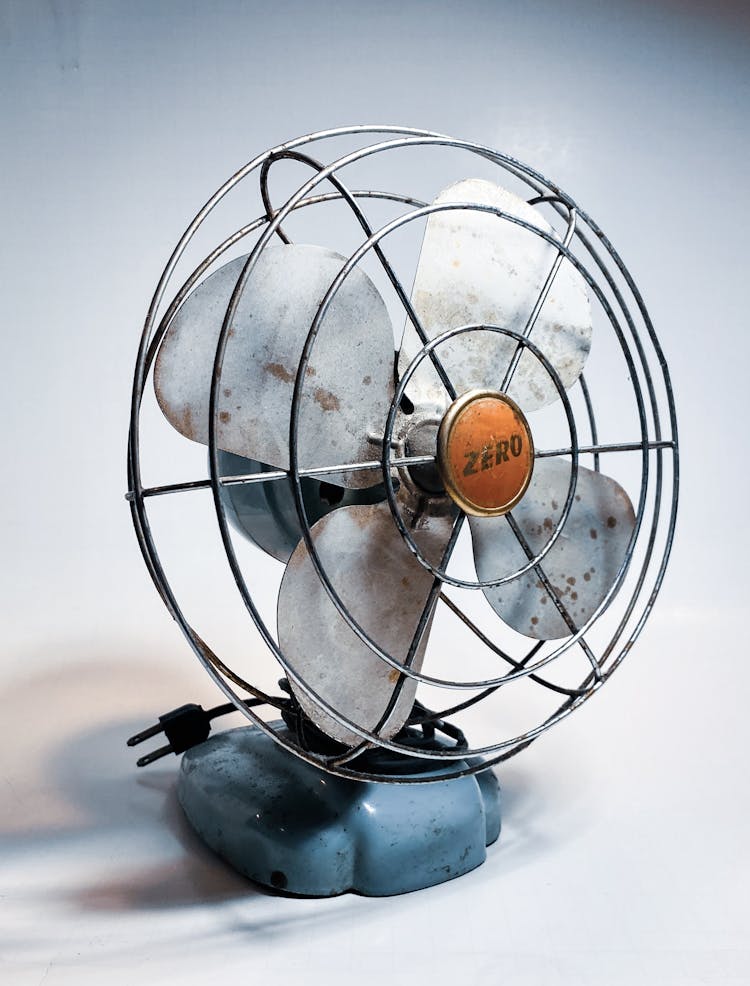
444,713
213,665
273,475
597,449
427,611
475,699
378,250
517,665
541,298
559,604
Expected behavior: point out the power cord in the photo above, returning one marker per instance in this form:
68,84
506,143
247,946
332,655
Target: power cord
189,725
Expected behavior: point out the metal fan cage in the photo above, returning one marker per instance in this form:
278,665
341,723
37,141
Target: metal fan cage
587,248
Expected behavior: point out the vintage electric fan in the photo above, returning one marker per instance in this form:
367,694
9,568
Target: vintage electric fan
370,478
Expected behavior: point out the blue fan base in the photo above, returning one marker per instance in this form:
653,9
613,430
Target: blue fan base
290,826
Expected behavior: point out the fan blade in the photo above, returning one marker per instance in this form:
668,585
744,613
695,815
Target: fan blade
385,590
581,565
478,269
349,380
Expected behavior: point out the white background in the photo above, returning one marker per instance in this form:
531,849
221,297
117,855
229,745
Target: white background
624,854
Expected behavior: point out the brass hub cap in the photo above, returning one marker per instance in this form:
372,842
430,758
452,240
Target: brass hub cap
485,453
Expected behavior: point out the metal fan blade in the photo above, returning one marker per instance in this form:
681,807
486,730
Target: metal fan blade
581,565
385,590
476,268
349,380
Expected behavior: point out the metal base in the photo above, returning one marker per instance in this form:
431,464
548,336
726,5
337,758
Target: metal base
288,825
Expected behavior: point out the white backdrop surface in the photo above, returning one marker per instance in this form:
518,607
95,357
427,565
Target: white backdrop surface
624,854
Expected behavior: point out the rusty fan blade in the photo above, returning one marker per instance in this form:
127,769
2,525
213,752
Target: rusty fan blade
348,382
385,590
476,268
581,565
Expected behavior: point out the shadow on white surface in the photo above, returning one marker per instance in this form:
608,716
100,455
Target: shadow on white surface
195,877
114,837
72,788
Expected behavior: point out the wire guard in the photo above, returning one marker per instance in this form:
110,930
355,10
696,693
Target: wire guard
326,161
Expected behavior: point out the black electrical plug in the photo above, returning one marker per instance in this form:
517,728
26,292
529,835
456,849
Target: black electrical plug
184,728
190,725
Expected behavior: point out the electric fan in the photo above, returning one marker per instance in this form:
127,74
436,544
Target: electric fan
461,513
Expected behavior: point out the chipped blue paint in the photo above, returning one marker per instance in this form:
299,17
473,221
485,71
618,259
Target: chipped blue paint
288,825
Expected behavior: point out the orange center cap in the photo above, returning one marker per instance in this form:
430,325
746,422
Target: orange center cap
485,453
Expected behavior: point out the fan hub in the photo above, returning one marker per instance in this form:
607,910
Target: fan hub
485,453
421,439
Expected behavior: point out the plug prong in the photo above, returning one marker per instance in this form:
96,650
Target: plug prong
146,734
155,755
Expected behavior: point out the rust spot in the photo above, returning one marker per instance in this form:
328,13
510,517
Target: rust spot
225,417
297,558
327,400
393,676
405,581
571,580
586,577
611,522
456,263
578,497
230,333
361,518
593,534
554,504
311,371
367,380
544,600
279,371
534,620
186,425
574,596
548,523
227,391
